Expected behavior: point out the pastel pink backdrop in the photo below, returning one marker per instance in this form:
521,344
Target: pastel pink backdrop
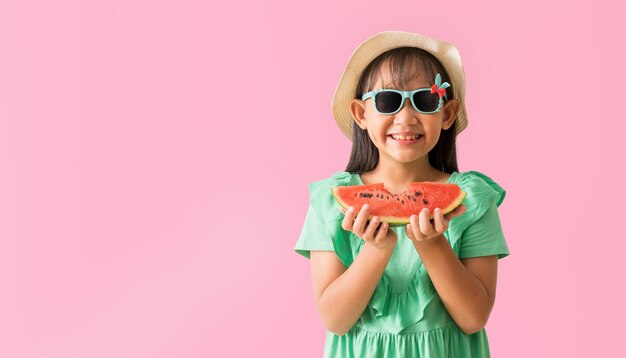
155,158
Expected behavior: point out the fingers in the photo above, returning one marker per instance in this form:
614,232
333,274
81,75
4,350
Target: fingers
356,225
368,235
424,223
382,232
441,224
348,219
420,226
458,211
359,224
374,230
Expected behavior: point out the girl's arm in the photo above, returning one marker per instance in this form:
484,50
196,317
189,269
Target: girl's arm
341,294
467,287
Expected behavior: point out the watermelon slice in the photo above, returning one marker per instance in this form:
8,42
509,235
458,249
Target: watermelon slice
396,209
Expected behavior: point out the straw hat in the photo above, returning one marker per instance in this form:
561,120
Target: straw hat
445,52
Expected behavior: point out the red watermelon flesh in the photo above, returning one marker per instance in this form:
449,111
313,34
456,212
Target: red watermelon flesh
396,209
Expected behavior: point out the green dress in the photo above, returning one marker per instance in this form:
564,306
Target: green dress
405,316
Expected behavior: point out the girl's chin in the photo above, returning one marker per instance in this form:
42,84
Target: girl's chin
403,157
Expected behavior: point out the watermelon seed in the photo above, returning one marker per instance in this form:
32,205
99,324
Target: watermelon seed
402,202
424,201
417,193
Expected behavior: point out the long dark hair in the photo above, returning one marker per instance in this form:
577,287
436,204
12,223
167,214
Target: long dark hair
364,156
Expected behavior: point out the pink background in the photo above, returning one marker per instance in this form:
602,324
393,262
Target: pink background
151,195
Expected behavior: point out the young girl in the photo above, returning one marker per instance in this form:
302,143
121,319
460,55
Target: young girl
427,289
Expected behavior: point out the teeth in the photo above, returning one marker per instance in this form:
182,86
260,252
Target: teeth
400,137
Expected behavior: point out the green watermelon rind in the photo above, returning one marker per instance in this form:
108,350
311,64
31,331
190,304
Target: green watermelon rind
395,221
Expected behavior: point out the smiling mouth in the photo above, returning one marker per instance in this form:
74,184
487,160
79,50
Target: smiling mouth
405,139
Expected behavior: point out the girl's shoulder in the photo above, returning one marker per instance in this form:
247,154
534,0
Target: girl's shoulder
479,186
321,197
336,179
482,193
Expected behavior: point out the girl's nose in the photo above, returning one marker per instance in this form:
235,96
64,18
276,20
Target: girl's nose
407,113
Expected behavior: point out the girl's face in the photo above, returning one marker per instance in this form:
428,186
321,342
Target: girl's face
383,129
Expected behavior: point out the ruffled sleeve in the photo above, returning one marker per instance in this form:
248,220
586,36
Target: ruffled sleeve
322,225
478,232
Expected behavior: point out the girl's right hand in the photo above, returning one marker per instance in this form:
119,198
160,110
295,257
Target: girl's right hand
377,234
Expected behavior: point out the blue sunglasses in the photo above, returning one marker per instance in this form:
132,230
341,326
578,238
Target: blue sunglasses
425,100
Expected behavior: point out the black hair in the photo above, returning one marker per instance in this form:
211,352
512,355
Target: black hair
364,156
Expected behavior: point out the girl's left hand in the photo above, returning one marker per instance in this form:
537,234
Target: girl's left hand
421,229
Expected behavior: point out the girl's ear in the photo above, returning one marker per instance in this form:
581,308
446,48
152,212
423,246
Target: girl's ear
357,109
450,111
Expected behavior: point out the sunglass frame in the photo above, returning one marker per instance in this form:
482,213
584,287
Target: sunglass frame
405,95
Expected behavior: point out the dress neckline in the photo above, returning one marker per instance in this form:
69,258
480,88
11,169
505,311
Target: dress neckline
358,177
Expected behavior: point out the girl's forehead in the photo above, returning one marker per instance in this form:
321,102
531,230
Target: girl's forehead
410,77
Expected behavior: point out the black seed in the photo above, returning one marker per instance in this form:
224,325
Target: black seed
417,193
424,201
398,199
402,202
387,197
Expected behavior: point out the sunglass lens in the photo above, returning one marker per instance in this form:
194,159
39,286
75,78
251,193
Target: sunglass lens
426,101
388,102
